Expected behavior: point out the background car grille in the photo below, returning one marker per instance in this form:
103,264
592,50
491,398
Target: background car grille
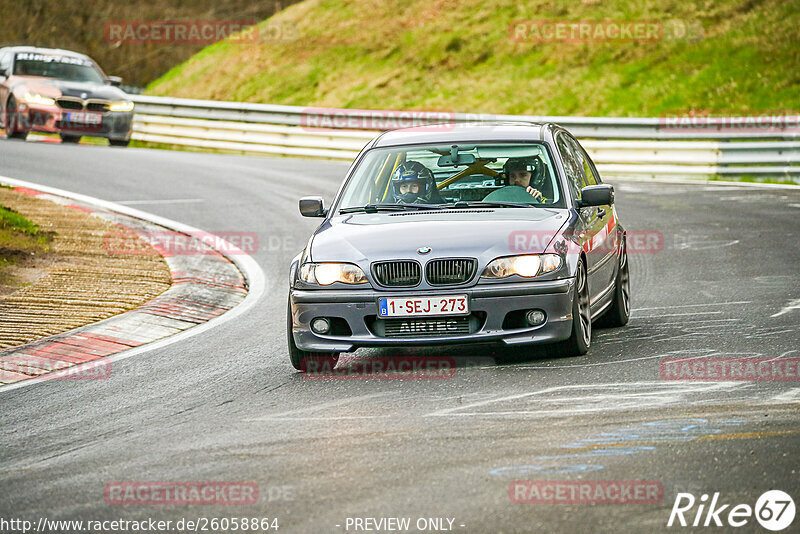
65,103
450,271
75,103
433,327
97,106
397,273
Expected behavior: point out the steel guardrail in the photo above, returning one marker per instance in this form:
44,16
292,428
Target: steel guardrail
619,146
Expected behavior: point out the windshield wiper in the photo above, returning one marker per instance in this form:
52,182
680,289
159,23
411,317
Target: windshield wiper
481,204
374,208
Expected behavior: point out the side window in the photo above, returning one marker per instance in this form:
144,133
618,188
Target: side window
592,177
573,165
587,168
595,174
589,173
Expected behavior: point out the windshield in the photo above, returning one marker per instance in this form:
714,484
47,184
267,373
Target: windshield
67,68
470,174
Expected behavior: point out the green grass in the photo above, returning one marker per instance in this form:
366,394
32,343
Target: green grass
740,56
11,220
19,239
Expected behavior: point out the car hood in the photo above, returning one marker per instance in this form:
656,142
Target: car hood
55,88
484,234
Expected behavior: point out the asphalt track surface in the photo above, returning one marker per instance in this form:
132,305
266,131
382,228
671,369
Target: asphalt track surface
226,405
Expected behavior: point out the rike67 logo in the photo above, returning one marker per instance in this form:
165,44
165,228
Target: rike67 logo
774,510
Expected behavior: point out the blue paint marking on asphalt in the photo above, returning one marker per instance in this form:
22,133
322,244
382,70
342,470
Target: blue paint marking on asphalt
681,430
621,451
544,470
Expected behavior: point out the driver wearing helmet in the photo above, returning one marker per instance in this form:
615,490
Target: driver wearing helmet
413,183
530,174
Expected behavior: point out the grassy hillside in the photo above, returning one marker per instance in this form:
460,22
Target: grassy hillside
79,25
458,55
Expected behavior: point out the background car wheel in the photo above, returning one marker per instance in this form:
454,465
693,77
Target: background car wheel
305,361
620,311
72,139
14,129
119,142
581,337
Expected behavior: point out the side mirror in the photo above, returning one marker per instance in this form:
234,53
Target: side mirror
312,207
596,195
116,81
3,73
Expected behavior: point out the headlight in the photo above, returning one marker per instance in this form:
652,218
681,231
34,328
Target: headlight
33,98
121,105
325,274
527,266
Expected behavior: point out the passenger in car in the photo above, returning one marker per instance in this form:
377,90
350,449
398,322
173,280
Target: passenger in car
413,183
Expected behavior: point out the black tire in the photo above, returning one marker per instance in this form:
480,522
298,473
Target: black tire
70,139
119,142
619,313
305,361
581,335
13,128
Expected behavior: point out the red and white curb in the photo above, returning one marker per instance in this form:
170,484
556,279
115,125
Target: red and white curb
207,289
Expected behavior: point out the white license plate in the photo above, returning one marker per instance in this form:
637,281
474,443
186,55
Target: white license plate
85,118
423,306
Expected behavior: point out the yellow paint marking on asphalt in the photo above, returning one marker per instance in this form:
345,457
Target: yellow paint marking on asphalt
644,440
749,435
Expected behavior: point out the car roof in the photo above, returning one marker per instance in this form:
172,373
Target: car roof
38,50
475,131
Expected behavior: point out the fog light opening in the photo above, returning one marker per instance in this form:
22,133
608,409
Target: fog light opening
321,325
535,317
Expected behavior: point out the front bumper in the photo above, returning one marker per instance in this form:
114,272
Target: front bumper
115,125
490,303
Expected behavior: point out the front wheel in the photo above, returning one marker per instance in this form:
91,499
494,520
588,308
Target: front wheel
581,335
14,128
119,142
70,139
306,361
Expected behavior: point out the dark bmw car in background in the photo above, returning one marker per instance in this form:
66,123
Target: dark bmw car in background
472,233
57,91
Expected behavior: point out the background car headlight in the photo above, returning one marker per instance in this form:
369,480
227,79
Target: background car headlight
528,266
121,105
326,274
33,98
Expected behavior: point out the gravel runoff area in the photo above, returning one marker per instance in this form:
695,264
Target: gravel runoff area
148,281
86,281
